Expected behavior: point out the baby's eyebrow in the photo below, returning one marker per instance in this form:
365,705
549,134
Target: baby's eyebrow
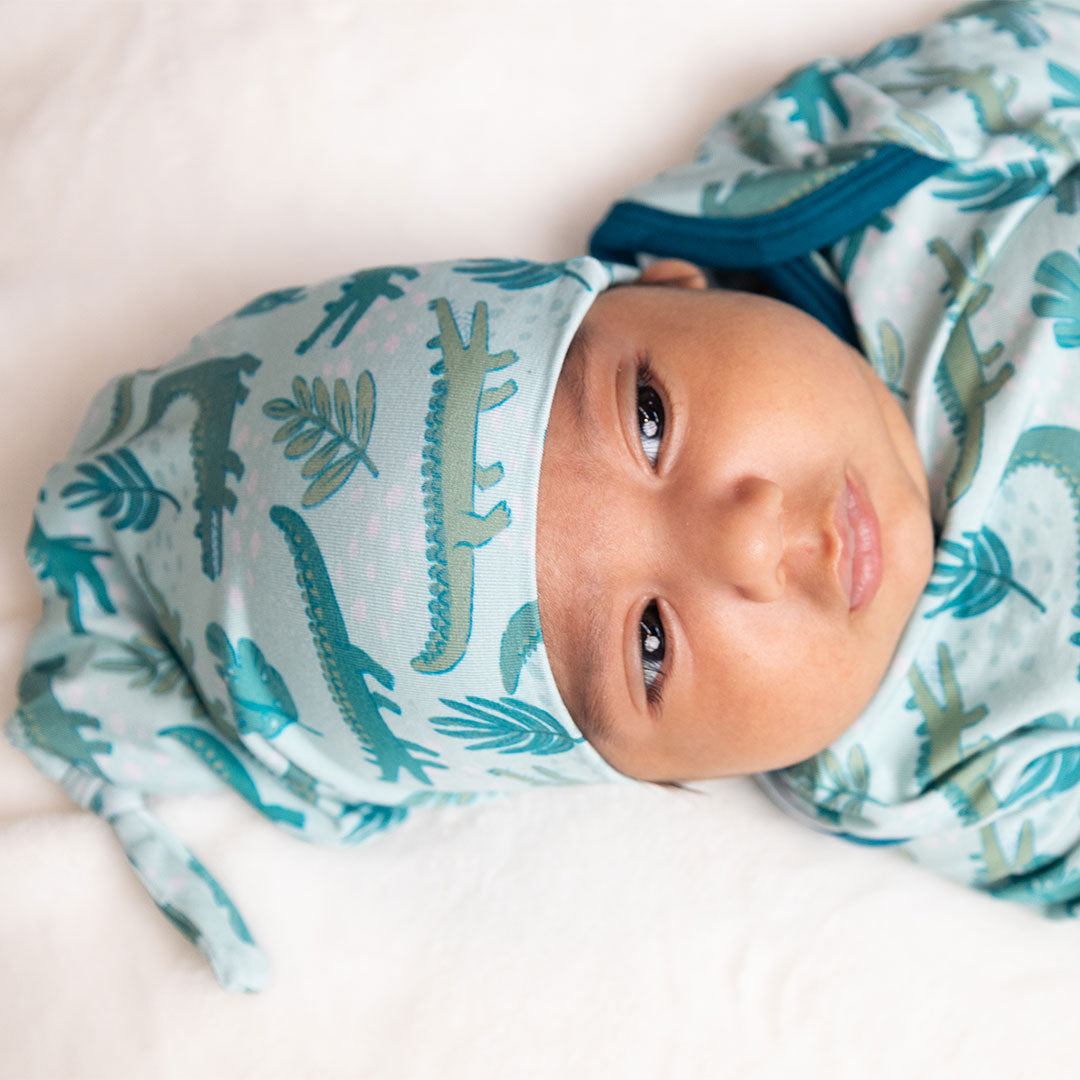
595,721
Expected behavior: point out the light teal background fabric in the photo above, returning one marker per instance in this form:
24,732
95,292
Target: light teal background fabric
299,560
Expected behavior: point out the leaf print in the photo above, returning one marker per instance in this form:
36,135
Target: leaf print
310,417
991,189
839,797
1008,16
921,133
1061,272
151,663
512,274
272,300
519,641
508,725
979,578
128,494
887,357
898,48
261,702
1069,81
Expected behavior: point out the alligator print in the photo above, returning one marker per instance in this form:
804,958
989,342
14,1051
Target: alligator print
216,388
51,727
451,475
345,665
960,378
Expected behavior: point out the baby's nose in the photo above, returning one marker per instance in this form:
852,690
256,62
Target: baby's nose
746,538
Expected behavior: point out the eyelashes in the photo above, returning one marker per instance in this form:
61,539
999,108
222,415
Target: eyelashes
651,422
653,648
651,416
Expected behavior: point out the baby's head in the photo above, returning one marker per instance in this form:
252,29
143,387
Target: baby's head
733,530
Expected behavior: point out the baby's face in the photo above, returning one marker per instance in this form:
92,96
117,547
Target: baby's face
733,530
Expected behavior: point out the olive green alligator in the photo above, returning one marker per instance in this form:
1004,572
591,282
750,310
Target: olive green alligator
960,378
963,772
454,528
990,102
344,665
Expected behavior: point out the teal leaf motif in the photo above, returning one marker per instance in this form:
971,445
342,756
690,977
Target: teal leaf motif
371,818
887,356
332,463
519,642
919,132
979,578
1008,16
508,725
897,48
261,701
1047,776
513,274
1069,81
1061,272
991,189
839,796
271,301
151,663
123,488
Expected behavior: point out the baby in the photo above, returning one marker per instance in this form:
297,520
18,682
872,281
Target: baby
433,533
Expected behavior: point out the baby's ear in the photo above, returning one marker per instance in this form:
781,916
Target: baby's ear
676,273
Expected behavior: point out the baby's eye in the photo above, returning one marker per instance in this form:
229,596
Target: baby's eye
652,651
650,414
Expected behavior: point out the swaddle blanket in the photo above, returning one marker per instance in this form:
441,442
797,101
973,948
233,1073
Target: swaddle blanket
923,200
299,561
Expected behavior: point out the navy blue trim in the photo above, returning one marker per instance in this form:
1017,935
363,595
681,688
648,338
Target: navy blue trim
808,224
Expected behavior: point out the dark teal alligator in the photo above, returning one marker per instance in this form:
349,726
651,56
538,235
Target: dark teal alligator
358,293
454,528
216,387
51,727
345,665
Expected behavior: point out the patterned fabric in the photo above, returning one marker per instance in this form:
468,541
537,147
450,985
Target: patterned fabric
963,290
299,561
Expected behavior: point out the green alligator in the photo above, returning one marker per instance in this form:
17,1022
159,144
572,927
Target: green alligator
963,772
48,725
1057,449
65,559
454,529
762,193
960,378
217,390
344,664
991,104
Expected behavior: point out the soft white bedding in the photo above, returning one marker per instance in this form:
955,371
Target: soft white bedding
161,163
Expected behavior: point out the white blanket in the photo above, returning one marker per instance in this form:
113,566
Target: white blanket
160,164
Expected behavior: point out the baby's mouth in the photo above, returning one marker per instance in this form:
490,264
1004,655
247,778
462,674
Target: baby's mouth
859,563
